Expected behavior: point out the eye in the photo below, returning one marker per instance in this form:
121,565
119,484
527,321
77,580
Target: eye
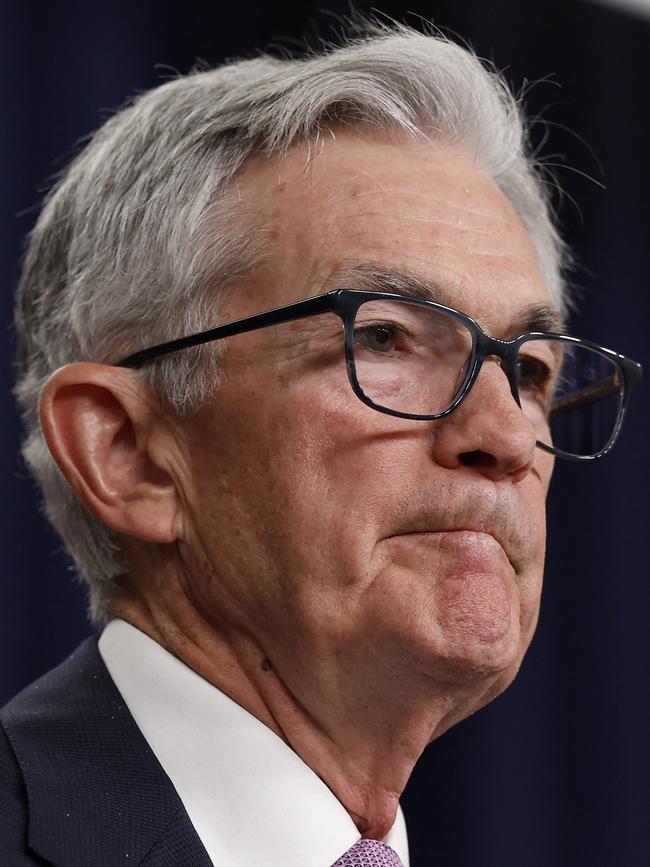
532,373
381,337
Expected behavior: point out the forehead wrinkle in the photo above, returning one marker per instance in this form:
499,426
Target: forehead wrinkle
412,218
492,254
452,203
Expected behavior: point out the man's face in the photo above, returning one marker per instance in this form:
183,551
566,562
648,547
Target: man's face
349,545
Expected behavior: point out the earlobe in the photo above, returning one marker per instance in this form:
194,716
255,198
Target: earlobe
99,425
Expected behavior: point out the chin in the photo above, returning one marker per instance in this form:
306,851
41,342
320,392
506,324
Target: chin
474,642
476,660
478,624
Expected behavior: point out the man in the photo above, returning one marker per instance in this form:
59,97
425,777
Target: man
317,534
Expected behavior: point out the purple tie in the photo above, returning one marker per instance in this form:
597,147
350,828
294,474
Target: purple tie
369,853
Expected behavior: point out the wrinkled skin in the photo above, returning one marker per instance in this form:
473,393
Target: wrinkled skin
389,569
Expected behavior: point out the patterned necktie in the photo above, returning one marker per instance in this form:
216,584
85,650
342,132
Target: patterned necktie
369,853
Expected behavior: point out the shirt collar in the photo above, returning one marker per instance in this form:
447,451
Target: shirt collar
250,797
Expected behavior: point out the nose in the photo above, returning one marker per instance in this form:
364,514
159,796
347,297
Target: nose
488,432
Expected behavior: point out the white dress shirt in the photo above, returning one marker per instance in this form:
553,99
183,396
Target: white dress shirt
250,797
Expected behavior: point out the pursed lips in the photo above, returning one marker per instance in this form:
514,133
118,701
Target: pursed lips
482,530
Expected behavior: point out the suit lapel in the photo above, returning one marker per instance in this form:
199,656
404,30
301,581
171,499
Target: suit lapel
96,792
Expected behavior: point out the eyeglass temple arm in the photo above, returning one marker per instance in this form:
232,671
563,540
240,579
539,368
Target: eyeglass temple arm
299,310
587,395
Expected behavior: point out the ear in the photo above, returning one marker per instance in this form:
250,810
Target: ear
113,446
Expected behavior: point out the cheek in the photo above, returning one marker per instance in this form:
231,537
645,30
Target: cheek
274,494
544,464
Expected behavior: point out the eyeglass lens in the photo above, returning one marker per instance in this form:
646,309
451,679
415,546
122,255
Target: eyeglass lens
416,360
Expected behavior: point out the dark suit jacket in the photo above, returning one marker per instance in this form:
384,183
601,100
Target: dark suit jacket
79,785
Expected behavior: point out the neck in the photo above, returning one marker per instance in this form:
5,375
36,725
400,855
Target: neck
361,736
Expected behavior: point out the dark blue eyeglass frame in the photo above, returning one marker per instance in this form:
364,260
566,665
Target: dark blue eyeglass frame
345,304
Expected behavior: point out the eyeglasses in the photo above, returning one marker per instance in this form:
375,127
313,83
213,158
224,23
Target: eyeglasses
417,359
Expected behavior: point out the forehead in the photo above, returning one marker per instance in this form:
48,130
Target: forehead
353,202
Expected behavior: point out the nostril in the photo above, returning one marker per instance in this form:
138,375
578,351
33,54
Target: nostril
477,458
491,466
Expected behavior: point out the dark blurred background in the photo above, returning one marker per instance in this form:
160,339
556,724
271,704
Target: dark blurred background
556,771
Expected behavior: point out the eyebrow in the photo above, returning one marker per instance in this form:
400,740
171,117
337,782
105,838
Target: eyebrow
531,317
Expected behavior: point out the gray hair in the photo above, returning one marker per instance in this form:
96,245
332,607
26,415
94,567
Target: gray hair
140,236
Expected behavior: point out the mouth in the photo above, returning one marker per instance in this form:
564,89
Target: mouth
481,544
